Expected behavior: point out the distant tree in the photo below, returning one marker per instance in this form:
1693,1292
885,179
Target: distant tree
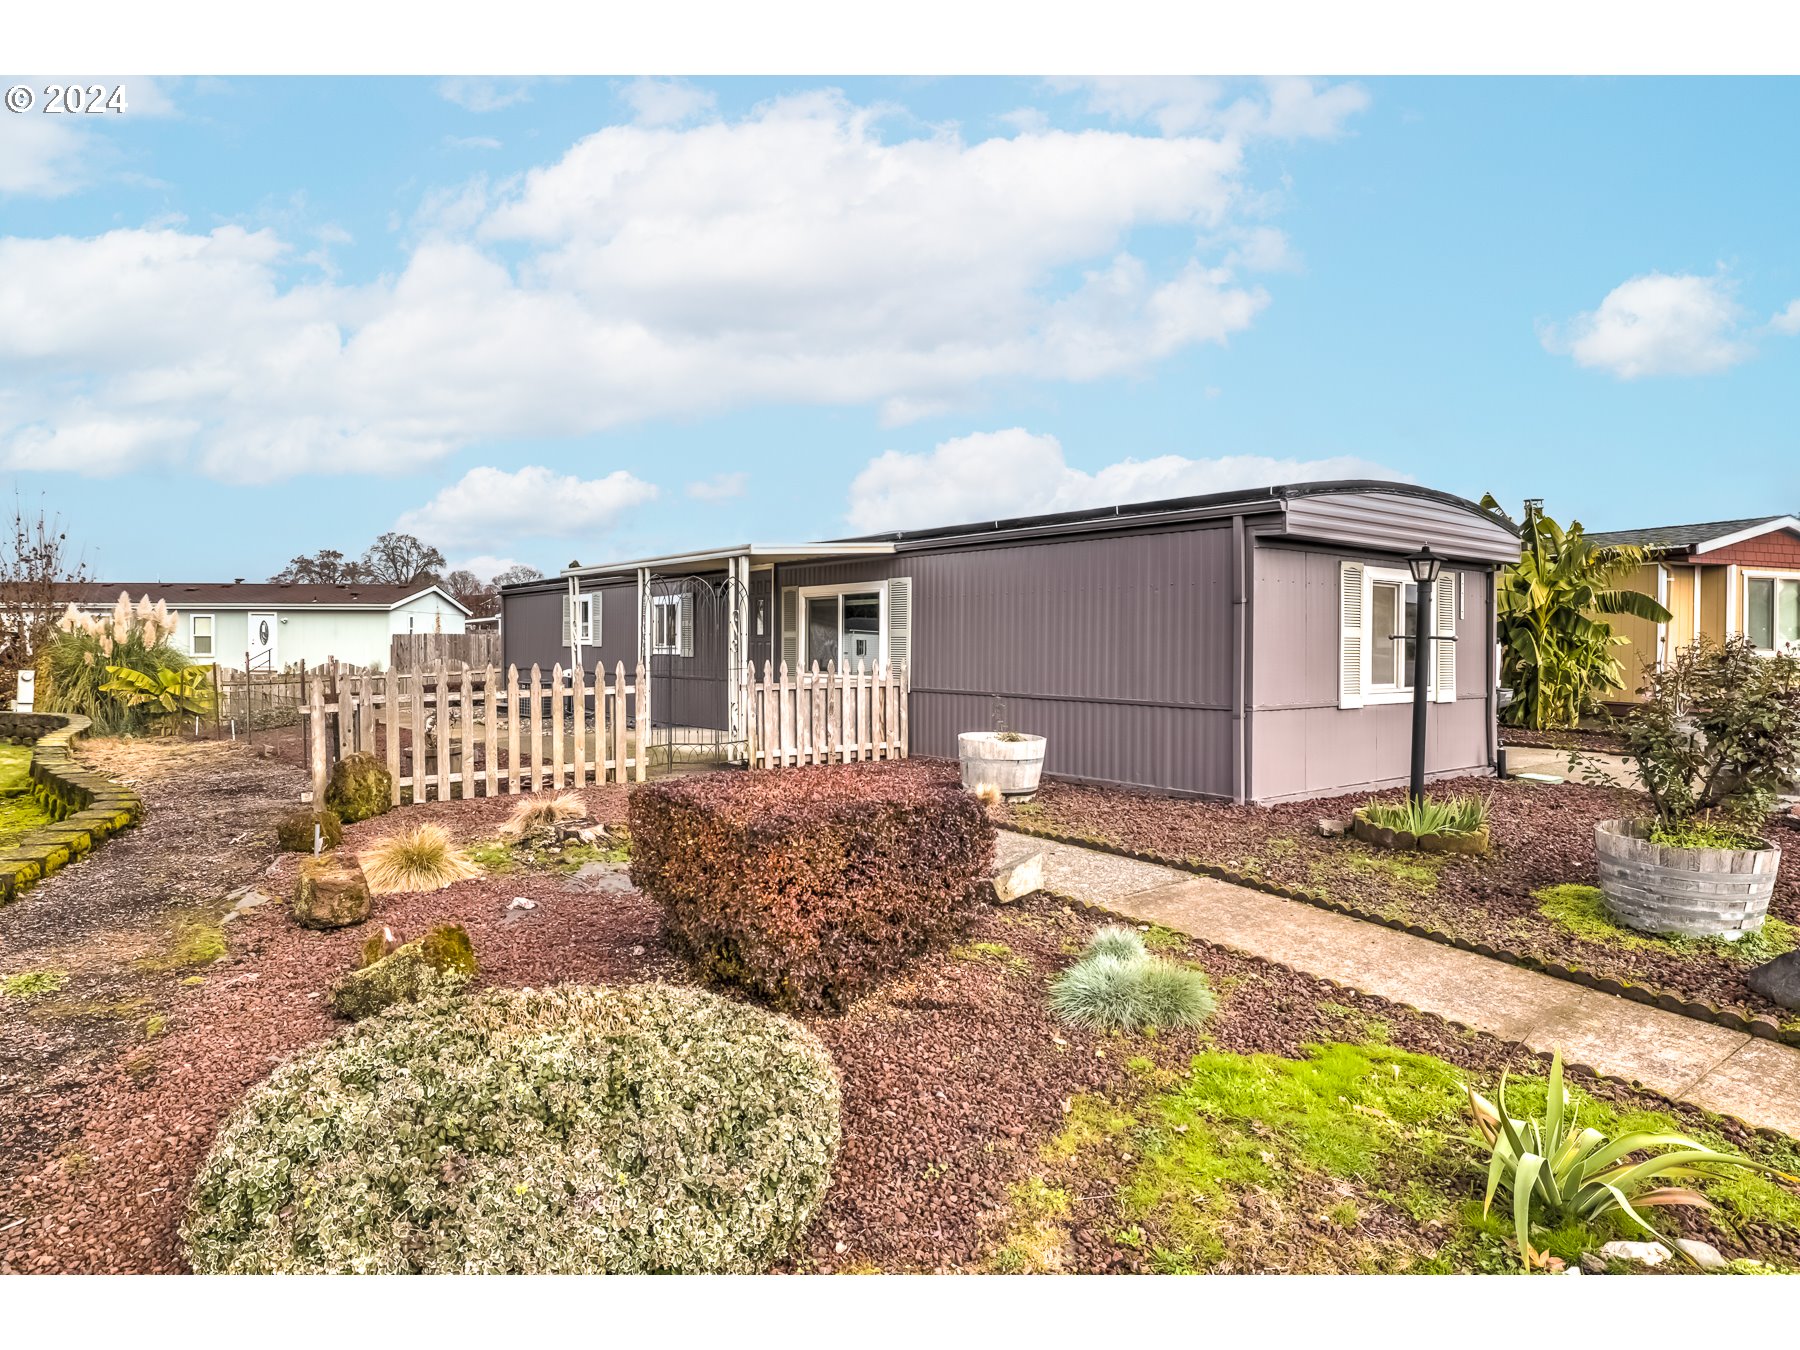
327,567
402,560
514,575
36,560
480,596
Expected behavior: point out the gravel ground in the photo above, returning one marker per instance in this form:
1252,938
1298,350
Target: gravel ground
954,1076
1542,834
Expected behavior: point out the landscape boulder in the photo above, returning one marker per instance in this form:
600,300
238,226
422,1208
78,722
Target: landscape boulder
441,962
331,892
1019,878
1778,981
296,834
361,788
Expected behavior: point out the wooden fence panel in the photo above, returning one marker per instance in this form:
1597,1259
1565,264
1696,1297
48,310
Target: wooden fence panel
409,652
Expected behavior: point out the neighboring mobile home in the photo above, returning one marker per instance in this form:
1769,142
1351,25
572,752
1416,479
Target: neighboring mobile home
1724,578
1246,645
278,623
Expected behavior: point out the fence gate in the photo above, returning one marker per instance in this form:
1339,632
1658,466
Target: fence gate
692,623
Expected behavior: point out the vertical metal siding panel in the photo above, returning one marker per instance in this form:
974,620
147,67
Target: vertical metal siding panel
1058,627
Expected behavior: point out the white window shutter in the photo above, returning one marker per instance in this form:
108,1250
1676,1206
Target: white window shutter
899,623
595,610
1352,636
568,621
790,626
1443,622
687,624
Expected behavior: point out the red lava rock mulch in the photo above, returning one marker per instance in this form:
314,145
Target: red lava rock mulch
1542,834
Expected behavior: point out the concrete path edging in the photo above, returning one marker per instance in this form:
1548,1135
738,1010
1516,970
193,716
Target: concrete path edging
1728,1072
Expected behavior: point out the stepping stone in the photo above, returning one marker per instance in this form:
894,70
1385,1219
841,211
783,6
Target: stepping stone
602,878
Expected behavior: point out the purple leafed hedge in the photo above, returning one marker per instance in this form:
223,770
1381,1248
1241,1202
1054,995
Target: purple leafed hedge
810,886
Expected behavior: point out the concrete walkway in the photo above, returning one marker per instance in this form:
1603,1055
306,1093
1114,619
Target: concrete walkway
1725,1071
1532,759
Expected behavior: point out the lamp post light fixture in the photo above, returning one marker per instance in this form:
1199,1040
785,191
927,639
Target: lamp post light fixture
1424,566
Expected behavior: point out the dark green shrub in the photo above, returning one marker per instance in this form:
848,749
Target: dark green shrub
632,1130
295,833
810,886
361,788
441,962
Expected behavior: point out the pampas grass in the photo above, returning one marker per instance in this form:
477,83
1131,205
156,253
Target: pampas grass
421,860
1118,986
535,813
989,795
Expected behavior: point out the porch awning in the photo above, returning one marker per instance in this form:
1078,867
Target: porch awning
757,554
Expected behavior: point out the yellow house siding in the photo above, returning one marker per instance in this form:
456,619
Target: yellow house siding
1640,634
1681,606
1714,598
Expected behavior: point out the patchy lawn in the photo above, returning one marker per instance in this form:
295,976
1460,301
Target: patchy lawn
1303,1128
1518,897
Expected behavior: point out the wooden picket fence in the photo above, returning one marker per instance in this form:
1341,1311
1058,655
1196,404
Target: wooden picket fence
828,716
468,732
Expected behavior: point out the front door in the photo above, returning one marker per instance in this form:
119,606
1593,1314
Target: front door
260,646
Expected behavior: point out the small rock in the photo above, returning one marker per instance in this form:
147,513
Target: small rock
842,1248
1019,879
637,951
1334,829
521,902
1644,1253
1592,1264
1778,981
602,878
1703,1254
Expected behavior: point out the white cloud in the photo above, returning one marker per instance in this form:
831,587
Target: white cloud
667,103
992,475
1787,321
1033,120
1656,324
719,487
489,506
471,143
1287,108
484,565
482,95
52,155
790,256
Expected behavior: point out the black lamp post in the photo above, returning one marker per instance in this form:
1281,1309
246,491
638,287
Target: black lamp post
1424,566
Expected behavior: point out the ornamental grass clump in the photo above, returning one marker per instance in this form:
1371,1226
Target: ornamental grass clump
422,859
811,886
540,813
637,1130
1556,1174
1429,815
1118,986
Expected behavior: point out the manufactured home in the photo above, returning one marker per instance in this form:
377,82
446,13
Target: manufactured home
268,625
1250,646
1718,579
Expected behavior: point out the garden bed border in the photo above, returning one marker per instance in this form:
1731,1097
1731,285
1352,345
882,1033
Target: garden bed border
1762,1025
85,807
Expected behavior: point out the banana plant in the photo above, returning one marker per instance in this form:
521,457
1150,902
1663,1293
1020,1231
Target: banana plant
1556,1173
1557,656
165,693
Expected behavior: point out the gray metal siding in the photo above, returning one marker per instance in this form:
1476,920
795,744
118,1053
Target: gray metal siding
531,628
1117,648
1392,523
1302,743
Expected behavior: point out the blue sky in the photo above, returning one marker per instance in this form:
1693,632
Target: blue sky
595,318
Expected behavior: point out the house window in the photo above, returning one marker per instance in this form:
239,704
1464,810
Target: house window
1772,612
665,625
200,635
584,621
846,625
1393,630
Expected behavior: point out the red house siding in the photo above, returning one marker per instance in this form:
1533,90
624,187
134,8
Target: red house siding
1780,548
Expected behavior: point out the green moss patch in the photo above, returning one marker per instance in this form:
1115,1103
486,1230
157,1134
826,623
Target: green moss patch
190,943
1582,911
33,983
1358,1157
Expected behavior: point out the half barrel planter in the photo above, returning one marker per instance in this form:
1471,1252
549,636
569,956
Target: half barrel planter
1012,766
1690,892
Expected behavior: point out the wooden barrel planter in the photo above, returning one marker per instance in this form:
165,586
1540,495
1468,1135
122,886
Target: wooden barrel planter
1691,892
1012,766
1472,842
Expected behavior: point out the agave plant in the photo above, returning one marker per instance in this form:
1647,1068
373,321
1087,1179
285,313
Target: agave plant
1429,815
164,693
1557,1173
